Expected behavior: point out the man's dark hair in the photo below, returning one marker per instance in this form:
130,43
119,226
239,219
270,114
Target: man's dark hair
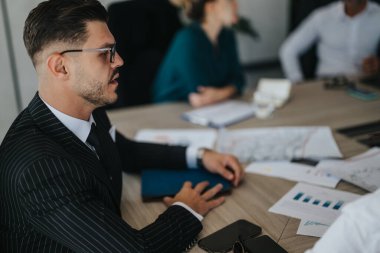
60,21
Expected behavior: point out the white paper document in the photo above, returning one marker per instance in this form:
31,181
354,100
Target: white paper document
293,171
362,170
312,228
313,203
184,137
279,143
220,115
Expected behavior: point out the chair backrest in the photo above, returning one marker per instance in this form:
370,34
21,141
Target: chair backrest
143,30
300,9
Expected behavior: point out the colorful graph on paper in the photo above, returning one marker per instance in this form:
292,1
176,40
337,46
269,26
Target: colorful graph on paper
313,203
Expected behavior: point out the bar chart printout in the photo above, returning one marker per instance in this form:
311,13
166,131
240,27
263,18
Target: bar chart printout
313,203
300,196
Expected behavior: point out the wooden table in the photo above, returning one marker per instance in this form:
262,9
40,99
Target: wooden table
310,104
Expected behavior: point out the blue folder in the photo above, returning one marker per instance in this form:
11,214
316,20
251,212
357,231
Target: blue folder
158,183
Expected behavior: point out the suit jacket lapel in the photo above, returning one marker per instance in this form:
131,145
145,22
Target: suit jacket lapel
51,126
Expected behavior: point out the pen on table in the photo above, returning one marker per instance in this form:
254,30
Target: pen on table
310,161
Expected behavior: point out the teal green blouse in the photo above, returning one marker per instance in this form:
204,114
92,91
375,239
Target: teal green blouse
193,61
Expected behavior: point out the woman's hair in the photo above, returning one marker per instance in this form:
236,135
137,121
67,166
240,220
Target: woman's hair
195,9
60,21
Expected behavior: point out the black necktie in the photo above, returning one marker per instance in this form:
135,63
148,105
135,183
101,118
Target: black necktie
108,156
93,140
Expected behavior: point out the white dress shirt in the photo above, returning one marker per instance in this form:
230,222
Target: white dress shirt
82,128
342,41
356,230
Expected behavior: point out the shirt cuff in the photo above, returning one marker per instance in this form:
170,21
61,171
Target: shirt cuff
197,215
191,157
112,132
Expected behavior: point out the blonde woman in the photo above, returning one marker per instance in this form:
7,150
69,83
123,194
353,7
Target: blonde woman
202,65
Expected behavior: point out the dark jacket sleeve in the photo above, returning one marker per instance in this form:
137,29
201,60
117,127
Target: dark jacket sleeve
66,204
138,155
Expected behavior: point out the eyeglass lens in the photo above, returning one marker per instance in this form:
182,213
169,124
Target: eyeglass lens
112,53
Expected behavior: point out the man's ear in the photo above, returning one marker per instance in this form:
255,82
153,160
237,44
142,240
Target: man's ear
56,64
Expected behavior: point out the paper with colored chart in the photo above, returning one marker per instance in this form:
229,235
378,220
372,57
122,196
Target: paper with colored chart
313,203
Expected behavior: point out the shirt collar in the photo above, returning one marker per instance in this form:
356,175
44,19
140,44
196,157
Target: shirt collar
342,14
81,128
340,10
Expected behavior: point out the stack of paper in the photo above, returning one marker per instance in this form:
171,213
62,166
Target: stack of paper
313,203
293,171
312,228
279,143
362,170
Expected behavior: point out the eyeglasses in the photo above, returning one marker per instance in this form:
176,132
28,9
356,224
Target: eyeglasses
112,51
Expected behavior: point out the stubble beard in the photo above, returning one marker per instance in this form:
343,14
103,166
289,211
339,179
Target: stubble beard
95,93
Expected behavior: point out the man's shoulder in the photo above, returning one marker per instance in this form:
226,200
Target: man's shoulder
374,9
367,203
372,4
329,10
26,143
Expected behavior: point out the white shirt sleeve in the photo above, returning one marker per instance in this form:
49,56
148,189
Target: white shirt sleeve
112,132
197,215
298,42
356,230
339,238
191,157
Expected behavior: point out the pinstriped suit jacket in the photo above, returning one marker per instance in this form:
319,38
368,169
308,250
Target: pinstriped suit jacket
55,195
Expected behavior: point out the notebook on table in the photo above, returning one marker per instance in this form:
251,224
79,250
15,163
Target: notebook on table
220,115
158,183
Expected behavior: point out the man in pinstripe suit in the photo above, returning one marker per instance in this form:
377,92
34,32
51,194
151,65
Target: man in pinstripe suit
58,192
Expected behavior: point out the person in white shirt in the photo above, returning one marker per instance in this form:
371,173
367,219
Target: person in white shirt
347,34
356,230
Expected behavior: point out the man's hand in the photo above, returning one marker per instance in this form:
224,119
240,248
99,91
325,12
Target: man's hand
371,65
210,95
226,165
198,200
